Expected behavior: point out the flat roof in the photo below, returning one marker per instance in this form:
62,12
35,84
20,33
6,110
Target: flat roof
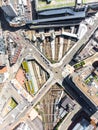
2,60
57,11
43,5
9,11
89,1
76,15
22,126
37,124
2,46
1,78
83,124
65,101
89,91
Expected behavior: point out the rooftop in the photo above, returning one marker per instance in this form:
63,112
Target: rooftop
95,117
87,50
2,60
88,84
42,5
2,43
37,124
17,11
22,126
9,11
67,101
3,70
89,1
83,124
1,78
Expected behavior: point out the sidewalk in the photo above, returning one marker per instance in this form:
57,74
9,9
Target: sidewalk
68,119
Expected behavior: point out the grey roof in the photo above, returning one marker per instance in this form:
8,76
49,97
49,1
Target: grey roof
22,126
12,2
2,60
83,124
76,15
56,11
1,78
9,11
37,124
90,127
65,101
2,46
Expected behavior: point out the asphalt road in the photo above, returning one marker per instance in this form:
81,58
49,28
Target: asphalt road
55,72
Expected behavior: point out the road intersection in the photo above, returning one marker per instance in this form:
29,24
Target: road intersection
55,71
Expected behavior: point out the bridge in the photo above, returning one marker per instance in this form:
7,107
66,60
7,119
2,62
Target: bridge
57,33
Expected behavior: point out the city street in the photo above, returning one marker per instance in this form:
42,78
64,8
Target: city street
55,72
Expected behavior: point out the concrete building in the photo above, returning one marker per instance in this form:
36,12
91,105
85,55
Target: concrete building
22,126
14,51
79,2
9,11
14,58
83,125
58,15
2,43
3,59
87,51
37,124
86,85
17,12
66,105
1,78
94,117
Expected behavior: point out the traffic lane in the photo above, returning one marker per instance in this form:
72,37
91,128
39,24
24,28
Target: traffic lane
39,93
28,44
43,91
36,99
41,61
76,47
36,53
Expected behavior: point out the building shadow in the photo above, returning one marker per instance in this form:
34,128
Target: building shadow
77,118
5,25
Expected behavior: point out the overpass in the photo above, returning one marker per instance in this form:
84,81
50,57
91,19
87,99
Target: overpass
57,33
70,34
